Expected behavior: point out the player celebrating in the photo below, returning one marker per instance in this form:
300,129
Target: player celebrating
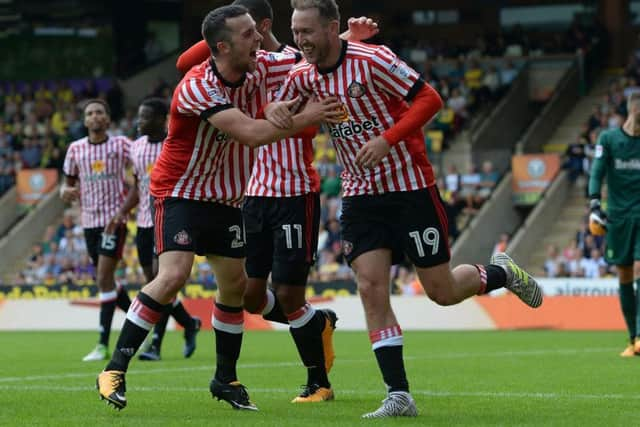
281,215
201,174
617,156
152,117
98,163
391,205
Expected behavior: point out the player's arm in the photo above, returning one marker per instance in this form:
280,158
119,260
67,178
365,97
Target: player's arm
597,217
196,54
425,104
257,132
130,202
69,190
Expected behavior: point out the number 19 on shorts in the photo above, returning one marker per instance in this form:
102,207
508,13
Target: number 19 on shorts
428,240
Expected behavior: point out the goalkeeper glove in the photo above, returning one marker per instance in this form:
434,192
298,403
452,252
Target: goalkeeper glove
597,218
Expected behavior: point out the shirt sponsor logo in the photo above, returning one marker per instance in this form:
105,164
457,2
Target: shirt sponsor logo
351,128
400,69
631,164
216,96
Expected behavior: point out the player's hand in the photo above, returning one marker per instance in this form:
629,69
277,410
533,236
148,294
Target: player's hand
597,215
373,152
280,113
361,29
327,110
114,223
68,193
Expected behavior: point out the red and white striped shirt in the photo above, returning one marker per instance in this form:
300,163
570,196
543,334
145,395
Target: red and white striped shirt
284,168
373,85
100,168
199,162
143,156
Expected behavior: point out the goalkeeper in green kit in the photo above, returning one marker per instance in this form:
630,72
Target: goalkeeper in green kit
617,156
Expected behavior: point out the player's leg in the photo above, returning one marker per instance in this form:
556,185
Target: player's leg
258,298
224,244
426,242
175,241
149,263
228,326
150,305
294,225
106,250
385,334
367,243
620,247
628,305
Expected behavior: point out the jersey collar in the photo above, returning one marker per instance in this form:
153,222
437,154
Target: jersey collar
226,82
343,53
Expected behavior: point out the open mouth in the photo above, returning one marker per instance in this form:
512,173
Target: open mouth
252,54
307,50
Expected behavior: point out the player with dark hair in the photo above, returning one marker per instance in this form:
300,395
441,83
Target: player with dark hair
391,206
281,214
152,125
202,173
94,169
617,156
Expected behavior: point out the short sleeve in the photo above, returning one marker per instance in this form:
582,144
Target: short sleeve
70,167
199,97
394,76
277,66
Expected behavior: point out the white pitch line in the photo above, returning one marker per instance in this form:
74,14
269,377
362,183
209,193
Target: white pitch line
445,356
429,393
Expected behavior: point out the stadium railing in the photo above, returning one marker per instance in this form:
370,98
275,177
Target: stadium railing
9,210
137,86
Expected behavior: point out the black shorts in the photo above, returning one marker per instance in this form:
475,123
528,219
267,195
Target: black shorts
412,223
144,244
102,244
206,228
282,237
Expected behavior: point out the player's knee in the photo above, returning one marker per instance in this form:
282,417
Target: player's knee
441,296
173,279
253,301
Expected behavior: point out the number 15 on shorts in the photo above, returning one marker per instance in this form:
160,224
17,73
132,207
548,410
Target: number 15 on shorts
427,241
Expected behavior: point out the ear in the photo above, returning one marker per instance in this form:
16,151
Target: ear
265,26
334,27
223,47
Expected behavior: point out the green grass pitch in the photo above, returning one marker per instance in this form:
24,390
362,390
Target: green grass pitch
457,378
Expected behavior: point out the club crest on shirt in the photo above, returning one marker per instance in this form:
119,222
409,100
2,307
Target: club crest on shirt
599,151
356,89
182,238
347,247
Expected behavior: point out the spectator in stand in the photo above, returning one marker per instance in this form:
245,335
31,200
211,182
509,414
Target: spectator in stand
452,179
508,74
469,184
575,158
489,178
491,84
553,265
